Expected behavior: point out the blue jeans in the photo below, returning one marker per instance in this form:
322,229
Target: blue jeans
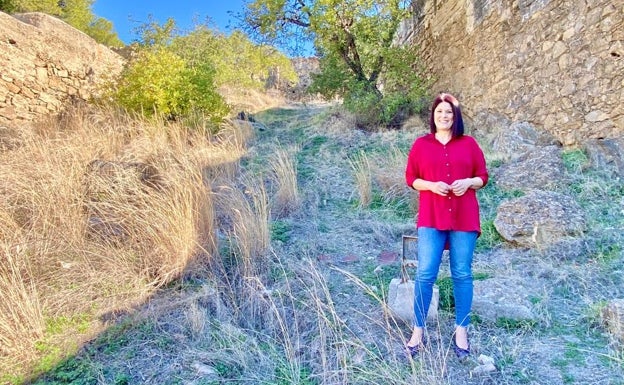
431,244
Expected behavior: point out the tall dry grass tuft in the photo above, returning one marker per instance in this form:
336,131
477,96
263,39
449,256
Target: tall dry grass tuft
389,174
99,209
248,233
361,168
286,199
21,317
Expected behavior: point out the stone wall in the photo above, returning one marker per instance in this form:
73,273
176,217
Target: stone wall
557,64
44,62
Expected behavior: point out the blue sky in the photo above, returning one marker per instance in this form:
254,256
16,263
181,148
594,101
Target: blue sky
126,15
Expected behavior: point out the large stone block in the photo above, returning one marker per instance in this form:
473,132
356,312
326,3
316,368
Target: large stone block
401,301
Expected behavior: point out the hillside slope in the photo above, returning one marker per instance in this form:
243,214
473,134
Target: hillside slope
310,310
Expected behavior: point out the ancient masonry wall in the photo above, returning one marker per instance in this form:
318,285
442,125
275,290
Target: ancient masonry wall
557,64
44,62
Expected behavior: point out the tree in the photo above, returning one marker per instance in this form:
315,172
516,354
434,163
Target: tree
238,62
354,39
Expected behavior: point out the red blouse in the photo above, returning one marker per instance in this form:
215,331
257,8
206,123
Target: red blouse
433,161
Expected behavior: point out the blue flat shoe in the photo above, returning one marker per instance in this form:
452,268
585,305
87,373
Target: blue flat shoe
416,350
461,353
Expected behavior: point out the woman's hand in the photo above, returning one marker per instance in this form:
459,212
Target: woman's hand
440,188
460,186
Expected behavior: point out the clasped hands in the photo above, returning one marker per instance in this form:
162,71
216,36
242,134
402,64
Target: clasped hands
458,187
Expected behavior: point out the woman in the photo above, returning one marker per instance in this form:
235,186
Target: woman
446,167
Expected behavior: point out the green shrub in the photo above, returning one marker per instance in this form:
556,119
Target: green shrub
160,82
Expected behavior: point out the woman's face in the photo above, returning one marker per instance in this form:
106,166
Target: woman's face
443,116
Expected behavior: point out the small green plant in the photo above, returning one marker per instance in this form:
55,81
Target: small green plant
607,252
77,371
379,279
575,160
489,238
513,324
445,286
280,231
394,209
447,298
283,376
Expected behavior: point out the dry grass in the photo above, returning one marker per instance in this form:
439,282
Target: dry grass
286,198
254,314
361,168
98,210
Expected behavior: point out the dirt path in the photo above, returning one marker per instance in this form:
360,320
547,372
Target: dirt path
186,335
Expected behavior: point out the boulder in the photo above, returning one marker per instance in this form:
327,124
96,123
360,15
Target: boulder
538,168
518,138
606,155
539,219
506,298
401,301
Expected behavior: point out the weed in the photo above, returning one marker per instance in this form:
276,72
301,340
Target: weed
280,231
76,371
379,279
575,161
445,286
447,298
514,324
284,376
394,209
274,117
489,238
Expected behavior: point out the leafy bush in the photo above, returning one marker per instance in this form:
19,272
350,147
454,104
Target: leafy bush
238,62
159,81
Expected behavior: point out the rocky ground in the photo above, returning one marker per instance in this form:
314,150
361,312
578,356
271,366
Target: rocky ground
355,252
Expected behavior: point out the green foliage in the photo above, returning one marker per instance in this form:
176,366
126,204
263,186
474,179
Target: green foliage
489,238
445,287
284,376
378,280
354,40
158,81
513,324
575,160
392,208
8,6
237,61
280,231
72,371
179,75
77,13
447,298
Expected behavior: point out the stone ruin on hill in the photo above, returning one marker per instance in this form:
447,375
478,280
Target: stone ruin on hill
45,62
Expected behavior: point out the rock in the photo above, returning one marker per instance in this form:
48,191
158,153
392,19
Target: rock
506,298
539,219
485,360
518,138
538,168
401,301
483,369
50,63
606,155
